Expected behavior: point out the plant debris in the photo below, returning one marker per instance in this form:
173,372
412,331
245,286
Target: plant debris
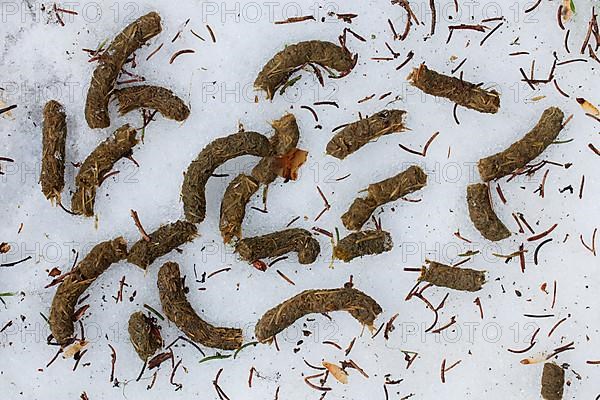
279,243
482,213
357,134
278,70
358,244
553,382
383,192
162,241
465,279
463,93
144,334
154,97
98,260
111,61
212,156
362,307
54,132
97,165
520,153
179,311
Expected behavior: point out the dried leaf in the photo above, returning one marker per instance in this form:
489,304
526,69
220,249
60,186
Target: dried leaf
287,166
338,373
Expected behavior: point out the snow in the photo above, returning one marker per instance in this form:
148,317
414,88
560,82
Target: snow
43,60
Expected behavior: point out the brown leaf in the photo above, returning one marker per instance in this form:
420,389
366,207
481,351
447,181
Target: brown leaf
338,373
287,166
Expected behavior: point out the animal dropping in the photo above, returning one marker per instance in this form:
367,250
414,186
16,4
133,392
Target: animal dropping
380,193
524,150
144,335
98,260
134,36
154,97
279,243
179,311
357,134
212,156
465,279
162,241
97,165
482,213
278,70
54,136
358,244
463,93
362,307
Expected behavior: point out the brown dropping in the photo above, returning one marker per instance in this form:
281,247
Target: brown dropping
278,70
179,311
463,93
144,335
284,140
110,63
212,156
465,279
62,311
233,206
379,193
358,244
482,213
279,243
97,165
526,149
359,133
553,382
54,136
162,241
154,97
362,307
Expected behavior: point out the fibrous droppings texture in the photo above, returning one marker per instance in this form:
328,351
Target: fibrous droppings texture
465,279
216,153
279,243
278,70
179,311
284,140
144,335
482,213
155,97
362,307
162,241
110,63
463,93
358,244
102,256
54,136
233,206
357,134
526,149
97,165
553,382
383,192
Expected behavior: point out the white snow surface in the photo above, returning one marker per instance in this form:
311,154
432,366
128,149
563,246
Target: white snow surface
42,60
